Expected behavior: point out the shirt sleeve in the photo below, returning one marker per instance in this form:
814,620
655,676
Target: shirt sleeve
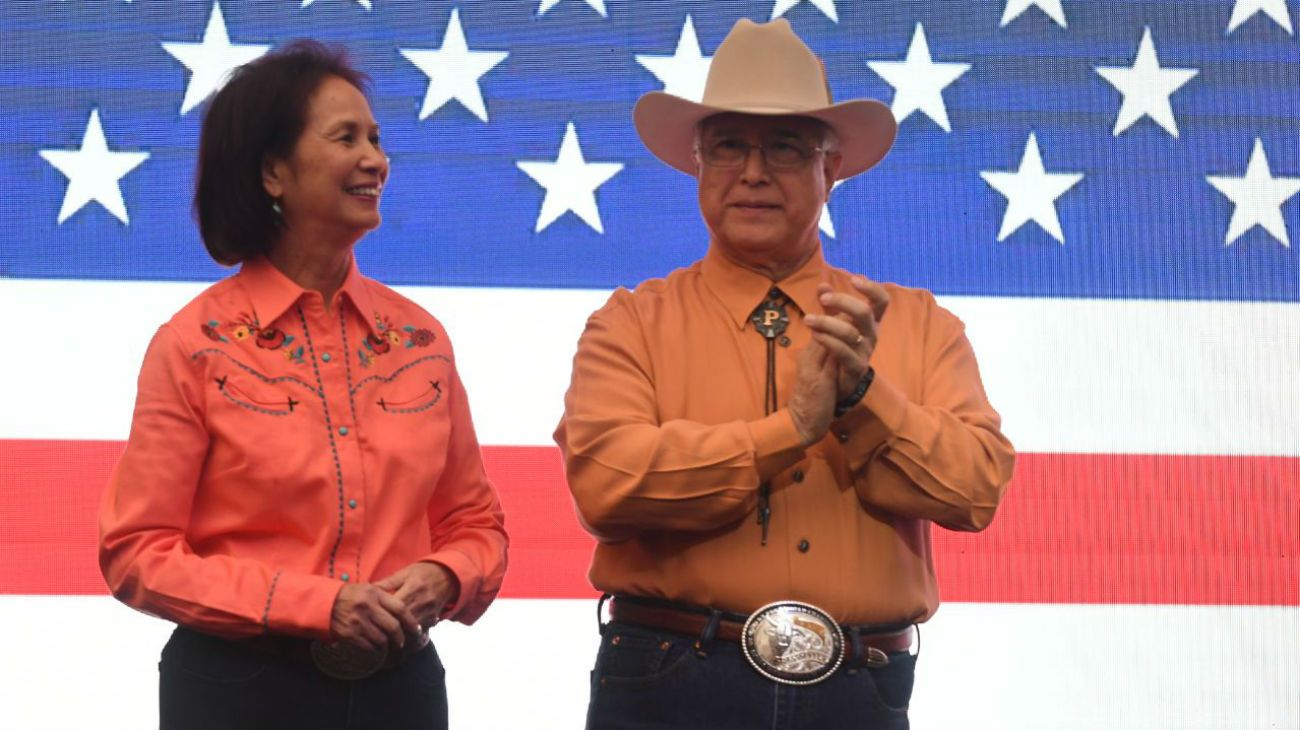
628,471
466,524
943,459
145,513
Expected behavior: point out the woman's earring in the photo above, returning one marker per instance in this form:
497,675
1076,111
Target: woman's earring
275,206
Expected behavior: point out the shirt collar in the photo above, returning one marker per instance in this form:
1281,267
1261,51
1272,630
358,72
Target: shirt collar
273,293
741,290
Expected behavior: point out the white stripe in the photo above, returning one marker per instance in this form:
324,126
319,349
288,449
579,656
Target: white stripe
1068,375
90,662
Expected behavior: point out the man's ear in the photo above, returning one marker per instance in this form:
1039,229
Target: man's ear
273,172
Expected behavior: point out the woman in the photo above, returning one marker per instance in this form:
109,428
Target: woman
302,491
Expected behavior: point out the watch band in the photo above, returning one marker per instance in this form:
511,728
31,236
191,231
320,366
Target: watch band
852,399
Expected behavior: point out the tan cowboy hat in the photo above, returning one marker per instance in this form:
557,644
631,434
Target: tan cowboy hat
765,69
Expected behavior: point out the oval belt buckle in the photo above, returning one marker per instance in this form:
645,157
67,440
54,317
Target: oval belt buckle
793,643
346,662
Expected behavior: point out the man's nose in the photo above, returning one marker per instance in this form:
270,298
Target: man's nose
754,168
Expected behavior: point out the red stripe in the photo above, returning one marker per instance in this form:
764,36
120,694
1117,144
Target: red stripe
1073,528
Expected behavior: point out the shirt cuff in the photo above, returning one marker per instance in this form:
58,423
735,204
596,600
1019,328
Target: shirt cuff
468,577
871,423
777,444
301,605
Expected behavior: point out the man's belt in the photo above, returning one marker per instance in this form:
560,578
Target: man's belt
787,641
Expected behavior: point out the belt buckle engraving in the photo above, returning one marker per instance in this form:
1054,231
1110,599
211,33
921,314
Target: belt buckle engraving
346,662
793,643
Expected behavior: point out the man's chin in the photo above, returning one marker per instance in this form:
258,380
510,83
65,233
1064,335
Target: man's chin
754,245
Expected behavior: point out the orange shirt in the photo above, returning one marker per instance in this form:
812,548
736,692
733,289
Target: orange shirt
279,449
665,445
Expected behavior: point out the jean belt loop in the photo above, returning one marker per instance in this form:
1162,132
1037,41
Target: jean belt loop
855,647
706,636
600,613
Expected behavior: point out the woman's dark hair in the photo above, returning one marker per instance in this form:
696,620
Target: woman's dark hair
257,116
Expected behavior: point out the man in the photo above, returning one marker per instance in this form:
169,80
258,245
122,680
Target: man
757,447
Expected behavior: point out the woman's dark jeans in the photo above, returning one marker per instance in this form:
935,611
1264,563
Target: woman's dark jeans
206,683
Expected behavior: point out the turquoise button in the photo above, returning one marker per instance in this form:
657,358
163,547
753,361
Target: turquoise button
343,430
325,357
352,503
345,577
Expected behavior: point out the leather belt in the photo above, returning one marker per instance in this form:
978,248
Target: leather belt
301,651
693,621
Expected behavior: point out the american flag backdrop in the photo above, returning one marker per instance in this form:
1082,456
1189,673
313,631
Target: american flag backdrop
1108,193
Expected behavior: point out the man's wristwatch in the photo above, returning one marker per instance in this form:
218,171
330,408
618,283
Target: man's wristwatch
852,399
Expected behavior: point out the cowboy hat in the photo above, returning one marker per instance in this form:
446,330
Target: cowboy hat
764,69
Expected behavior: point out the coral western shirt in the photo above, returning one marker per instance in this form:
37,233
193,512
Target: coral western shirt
280,449
666,443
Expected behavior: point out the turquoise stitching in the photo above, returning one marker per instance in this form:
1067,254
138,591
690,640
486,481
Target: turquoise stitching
347,365
352,403
250,406
256,374
329,431
424,407
398,371
266,612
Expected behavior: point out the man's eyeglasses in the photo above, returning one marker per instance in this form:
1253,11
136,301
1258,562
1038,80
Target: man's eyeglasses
779,154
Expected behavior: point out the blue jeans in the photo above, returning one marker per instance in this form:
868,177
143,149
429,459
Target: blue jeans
206,683
646,678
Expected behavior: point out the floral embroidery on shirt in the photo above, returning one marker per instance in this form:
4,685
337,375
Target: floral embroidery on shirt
388,337
246,327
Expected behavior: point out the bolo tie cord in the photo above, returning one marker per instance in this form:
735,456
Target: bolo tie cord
769,407
770,320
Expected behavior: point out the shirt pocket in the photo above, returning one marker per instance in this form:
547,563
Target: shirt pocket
261,396
249,387
414,389
267,428
406,414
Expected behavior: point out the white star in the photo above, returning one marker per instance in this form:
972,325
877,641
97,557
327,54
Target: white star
211,61
597,5
1258,197
919,82
363,3
684,72
1031,193
825,223
1146,88
454,71
570,183
1016,7
1244,10
93,172
826,6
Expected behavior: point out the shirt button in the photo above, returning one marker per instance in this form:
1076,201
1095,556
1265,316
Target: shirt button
798,475
784,341
352,504
325,357
843,436
803,546
346,577
343,430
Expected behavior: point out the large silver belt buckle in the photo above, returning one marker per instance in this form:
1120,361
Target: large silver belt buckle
346,662
793,643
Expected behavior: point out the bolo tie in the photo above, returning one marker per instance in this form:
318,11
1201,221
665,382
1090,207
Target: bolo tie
770,319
